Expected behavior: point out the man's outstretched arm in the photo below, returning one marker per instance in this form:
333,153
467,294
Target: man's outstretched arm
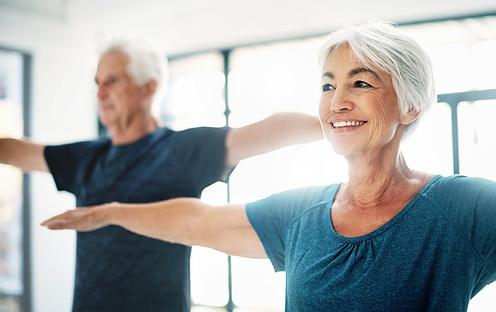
274,132
23,154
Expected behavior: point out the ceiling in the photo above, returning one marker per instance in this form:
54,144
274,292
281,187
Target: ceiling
58,8
49,7
188,25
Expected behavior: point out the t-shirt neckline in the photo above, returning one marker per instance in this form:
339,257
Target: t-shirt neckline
383,228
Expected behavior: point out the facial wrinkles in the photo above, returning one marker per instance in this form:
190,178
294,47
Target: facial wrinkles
120,97
382,109
342,70
384,129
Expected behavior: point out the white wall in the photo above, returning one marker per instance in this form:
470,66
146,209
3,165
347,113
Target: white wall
63,99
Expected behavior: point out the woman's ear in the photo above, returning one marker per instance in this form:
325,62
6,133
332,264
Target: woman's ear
409,117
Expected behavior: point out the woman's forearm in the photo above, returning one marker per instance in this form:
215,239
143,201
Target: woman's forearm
186,221
170,220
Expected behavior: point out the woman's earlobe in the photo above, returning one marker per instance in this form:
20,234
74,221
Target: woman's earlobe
409,117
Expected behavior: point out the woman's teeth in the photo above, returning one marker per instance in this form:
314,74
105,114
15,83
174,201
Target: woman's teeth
347,124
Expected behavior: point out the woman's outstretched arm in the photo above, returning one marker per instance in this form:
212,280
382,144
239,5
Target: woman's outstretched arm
187,221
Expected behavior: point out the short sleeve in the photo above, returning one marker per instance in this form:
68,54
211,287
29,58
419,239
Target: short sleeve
65,161
479,196
273,216
265,217
472,202
205,150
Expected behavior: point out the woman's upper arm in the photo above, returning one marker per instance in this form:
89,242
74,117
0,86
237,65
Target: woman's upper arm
227,229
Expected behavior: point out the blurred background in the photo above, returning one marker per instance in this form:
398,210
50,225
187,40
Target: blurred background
234,62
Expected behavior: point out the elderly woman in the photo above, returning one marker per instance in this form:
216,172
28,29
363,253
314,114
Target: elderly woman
389,239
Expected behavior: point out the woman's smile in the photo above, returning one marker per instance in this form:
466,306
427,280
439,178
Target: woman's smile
347,124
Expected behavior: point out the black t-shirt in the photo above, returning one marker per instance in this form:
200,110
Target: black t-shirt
117,270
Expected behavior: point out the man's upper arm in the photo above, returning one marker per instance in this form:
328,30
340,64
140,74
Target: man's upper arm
23,154
274,132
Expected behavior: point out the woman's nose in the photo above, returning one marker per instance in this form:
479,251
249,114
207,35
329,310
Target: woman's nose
341,100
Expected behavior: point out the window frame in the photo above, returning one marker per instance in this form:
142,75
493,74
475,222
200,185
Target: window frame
26,250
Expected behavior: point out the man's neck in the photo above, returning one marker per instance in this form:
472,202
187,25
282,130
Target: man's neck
132,133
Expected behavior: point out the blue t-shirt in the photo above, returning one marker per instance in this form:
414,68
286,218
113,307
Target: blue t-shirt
117,270
434,255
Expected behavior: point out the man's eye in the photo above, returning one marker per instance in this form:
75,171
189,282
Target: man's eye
362,84
327,87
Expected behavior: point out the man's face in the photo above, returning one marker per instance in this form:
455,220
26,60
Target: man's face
120,99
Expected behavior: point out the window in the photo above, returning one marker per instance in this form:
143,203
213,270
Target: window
195,97
245,84
14,228
476,139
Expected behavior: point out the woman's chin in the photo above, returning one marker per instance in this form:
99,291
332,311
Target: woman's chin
341,147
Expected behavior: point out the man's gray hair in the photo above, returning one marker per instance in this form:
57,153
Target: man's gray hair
146,62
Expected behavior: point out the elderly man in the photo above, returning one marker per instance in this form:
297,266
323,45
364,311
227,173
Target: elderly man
139,162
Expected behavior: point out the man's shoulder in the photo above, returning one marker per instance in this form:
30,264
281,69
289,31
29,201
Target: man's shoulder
200,130
198,134
80,145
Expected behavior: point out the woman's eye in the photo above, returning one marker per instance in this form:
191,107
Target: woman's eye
327,87
362,84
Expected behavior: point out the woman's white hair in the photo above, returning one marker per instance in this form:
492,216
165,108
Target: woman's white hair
381,46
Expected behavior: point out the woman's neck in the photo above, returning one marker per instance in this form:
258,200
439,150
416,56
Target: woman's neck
379,182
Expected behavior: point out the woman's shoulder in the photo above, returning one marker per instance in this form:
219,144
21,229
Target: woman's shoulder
461,191
461,183
292,203
312,193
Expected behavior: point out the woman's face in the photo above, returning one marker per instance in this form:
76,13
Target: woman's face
358,107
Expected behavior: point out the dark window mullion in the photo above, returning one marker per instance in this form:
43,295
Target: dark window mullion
26,189
226,58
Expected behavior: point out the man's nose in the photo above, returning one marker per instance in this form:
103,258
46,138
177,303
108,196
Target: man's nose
101,92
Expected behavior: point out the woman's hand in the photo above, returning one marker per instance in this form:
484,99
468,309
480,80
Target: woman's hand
81,219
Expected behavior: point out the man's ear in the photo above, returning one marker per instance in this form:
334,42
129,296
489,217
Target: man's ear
409,117
151,87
